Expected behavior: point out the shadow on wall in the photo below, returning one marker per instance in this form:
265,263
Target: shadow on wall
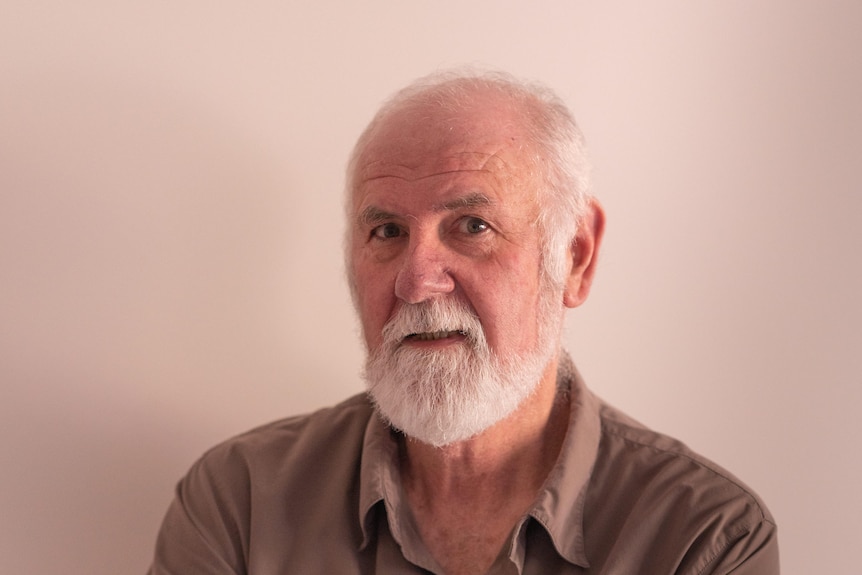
134,284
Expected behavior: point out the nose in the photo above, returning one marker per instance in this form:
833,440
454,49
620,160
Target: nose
424,272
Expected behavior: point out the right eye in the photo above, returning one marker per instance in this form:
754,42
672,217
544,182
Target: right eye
386,231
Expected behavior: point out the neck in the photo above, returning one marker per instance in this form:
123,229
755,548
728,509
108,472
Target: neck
514,455
467,497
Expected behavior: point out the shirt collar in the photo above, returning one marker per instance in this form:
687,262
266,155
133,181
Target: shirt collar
559,508
380,491
379,478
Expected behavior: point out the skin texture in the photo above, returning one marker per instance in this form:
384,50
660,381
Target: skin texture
445,206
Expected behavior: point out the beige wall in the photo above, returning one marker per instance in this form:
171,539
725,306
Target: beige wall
170,228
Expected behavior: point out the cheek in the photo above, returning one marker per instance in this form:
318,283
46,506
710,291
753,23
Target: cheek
373,299
507,305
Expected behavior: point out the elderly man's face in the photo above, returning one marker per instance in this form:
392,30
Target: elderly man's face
440,214
445,211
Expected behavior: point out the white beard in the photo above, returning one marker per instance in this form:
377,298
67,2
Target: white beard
445,396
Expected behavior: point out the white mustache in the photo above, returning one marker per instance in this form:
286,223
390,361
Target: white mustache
431,317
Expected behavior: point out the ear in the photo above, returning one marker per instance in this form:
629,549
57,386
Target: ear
584,253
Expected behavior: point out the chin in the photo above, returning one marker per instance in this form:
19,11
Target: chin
446,397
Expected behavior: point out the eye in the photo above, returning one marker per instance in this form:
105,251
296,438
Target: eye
386,231
473,225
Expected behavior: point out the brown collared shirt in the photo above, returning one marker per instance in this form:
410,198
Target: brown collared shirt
321,494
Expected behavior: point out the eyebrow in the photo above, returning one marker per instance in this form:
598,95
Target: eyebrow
374,216
473,200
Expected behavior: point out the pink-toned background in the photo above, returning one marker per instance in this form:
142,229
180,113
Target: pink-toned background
170,229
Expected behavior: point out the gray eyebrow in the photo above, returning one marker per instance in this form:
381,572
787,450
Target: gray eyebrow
473,200
373,216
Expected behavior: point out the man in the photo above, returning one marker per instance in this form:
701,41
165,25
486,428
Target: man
478,448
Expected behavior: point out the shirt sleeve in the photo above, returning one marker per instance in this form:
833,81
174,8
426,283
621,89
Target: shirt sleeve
201,532
754,553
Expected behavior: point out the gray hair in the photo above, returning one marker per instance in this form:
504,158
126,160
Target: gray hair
555,142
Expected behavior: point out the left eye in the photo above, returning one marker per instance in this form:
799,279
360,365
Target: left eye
473,225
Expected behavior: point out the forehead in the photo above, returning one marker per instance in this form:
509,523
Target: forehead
482,141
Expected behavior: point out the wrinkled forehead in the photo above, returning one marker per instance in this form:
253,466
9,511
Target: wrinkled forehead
421,141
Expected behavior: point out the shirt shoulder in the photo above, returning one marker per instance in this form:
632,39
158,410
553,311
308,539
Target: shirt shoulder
286,482
291,452
672,505
639,450
299,432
